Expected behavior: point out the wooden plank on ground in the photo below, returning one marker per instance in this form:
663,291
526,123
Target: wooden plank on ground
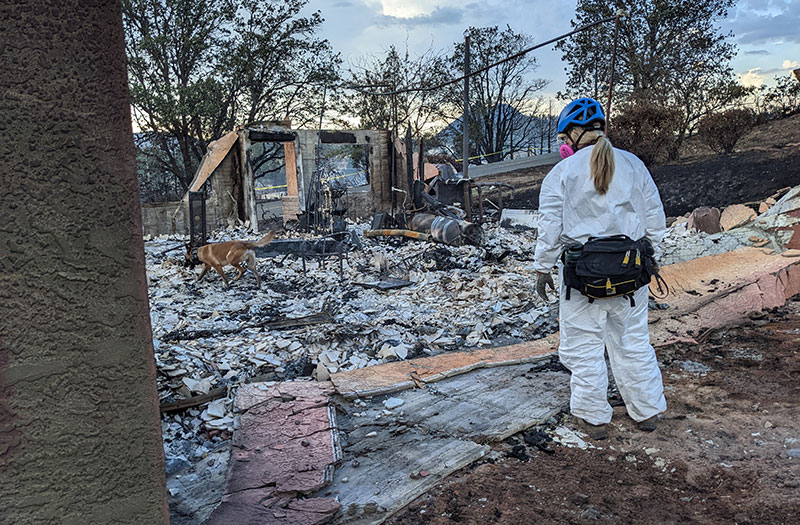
396,376
488,405
719,290
382,483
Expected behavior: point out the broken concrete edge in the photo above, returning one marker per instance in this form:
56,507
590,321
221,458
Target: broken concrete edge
434,479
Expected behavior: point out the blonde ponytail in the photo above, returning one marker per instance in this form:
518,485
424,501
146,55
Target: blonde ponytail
602,164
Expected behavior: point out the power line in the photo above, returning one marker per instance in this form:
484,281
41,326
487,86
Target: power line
485,68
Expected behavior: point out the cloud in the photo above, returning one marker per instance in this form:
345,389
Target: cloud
440,15
757,52
766,22
753,77
786,65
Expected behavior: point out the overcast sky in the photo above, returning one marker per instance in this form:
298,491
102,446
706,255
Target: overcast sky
766,31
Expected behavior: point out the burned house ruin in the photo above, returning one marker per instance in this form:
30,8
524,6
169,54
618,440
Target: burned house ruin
226,182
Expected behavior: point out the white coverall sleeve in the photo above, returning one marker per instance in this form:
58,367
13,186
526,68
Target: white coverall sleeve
656,221
551,203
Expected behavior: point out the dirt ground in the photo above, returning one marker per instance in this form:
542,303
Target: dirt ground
768,159
724,452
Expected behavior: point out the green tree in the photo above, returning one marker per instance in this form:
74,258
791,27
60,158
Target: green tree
670,52
783,99
197,68
502,99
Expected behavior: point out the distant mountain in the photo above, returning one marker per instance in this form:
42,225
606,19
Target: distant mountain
530,133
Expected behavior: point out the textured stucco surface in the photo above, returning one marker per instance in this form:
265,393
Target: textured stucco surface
79,430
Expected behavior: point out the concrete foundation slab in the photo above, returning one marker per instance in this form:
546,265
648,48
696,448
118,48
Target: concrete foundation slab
392,457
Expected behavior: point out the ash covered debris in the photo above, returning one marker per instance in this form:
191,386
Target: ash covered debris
776,228
207,338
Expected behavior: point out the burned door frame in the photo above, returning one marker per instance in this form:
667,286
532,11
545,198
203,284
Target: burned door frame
270,132
377,144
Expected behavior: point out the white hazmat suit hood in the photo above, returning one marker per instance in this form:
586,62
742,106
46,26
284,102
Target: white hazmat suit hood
572,210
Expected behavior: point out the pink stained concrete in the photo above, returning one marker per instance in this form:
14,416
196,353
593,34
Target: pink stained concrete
283,450
744,281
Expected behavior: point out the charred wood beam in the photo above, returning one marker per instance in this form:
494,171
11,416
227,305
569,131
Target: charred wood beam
193,401
272,324
256,135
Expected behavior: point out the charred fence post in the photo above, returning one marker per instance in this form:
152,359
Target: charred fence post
197,218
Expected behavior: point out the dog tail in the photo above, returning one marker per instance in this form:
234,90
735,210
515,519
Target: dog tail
265,239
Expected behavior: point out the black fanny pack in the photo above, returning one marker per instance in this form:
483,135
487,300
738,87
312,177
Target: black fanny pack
607,267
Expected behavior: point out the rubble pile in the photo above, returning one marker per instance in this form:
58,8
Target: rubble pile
704,232
309,324
682,243
209,340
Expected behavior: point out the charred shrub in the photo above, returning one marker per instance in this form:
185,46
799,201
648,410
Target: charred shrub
721,131
645,129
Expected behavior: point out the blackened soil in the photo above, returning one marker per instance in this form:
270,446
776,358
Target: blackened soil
721,180
767,159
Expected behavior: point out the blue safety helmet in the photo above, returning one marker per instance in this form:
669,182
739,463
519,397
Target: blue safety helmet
580,112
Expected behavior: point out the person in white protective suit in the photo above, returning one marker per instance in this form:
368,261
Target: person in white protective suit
599,191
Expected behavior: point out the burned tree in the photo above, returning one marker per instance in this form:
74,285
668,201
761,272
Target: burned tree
502,99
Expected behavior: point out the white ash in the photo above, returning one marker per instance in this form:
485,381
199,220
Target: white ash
206,337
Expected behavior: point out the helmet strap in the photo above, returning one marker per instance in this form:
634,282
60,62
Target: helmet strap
576,143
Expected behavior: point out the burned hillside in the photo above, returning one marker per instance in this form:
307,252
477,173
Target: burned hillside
766,160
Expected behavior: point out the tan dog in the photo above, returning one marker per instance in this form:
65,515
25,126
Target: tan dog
234,253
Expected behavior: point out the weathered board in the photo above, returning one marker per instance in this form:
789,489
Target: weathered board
488,405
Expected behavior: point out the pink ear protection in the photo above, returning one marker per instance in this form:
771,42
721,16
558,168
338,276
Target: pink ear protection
565,151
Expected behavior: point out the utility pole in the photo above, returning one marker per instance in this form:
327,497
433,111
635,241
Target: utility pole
465,115
549,125
620,14
465,132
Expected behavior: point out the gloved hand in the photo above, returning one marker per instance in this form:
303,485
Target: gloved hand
544,279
